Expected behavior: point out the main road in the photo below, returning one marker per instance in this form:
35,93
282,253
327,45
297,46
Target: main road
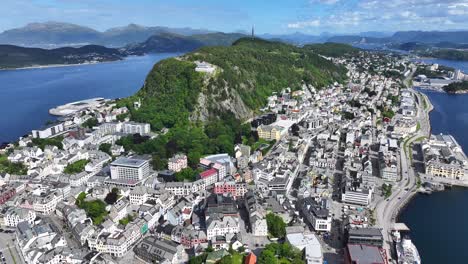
386,210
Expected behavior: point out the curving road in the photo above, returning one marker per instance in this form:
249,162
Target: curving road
387,209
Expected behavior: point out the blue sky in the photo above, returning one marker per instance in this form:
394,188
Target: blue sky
272,16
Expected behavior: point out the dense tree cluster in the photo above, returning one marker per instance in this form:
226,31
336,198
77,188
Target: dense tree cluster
76,167
448,54
284,253
276,225
95,209
330,49
113,196
11,168
456,87
386,190
106,148
187,174
43,142
90,123
194,139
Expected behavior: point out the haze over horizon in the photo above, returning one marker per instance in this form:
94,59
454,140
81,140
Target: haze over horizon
278,17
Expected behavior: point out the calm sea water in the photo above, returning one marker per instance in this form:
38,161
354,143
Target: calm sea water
27,95
438,222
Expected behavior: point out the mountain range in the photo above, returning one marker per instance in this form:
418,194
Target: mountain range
427,37
58,34
53,34
17,57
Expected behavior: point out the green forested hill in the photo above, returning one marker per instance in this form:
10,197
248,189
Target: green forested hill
248,72
15,56
447,54
205,111
331,49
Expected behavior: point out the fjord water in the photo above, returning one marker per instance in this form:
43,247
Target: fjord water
438,222
27,95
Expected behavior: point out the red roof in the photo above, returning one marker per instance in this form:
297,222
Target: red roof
208,173
251,259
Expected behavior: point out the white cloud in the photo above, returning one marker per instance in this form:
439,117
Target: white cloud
326,2
390,15
305,24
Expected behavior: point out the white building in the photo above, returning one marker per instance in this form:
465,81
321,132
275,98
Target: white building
221,226
136,128
177,163
359,196
129,169
259,227
306,242
49,131
13,216
203,66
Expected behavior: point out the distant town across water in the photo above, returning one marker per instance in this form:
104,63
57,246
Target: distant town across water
27,95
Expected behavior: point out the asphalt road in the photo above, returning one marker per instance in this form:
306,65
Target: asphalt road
387,209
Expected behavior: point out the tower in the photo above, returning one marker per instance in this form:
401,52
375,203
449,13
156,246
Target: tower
253,32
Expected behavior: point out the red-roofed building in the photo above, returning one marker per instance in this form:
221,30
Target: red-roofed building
209,176
250,259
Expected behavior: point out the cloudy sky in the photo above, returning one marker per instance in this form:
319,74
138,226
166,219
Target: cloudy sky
268,16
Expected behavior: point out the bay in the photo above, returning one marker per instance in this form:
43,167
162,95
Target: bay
26,95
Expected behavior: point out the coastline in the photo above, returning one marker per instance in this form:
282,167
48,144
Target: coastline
396,214
57,65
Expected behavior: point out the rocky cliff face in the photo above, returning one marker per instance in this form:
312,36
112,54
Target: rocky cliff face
209,104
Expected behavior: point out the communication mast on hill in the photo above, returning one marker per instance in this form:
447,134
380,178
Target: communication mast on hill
253,32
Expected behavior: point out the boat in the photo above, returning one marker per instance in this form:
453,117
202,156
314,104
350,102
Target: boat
407,253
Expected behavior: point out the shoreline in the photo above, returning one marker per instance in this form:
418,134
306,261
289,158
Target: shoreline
405,202
441,90
56,65
84,63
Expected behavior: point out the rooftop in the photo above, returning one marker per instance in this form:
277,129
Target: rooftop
129,162
363,254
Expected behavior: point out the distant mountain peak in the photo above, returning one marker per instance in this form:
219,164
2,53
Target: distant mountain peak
129,27
52,25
